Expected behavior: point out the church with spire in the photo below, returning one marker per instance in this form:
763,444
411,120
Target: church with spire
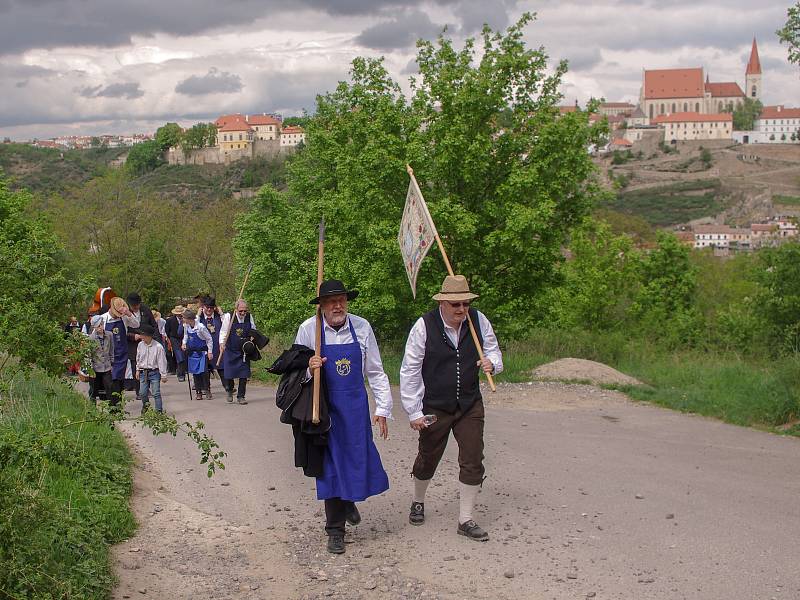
668,91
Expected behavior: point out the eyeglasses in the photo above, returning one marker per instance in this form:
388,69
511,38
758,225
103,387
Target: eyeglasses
459,304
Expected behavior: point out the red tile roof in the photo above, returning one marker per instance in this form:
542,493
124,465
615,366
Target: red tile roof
725,89
693,117
567,109
262,120
621,142
754,64
617,105
225,119
673,83
293,129
779,112
235,126
763,227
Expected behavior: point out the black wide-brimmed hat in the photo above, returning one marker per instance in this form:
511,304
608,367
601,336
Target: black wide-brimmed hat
333,287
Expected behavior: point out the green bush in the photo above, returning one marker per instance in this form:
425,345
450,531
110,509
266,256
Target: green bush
63,493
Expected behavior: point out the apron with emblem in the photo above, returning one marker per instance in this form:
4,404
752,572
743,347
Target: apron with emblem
352,468
233,361
198,353
120,361
214,324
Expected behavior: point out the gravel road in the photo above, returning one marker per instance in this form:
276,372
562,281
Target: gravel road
588,495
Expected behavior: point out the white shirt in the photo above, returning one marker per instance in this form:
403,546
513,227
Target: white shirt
151,357
201,331
226,326
412,388
129,321
371,364
162,323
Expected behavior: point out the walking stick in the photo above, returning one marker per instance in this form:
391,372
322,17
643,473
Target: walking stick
233,312
450,272
189,381
318,341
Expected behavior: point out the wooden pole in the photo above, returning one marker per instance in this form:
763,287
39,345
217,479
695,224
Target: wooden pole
318,342
450,272
233,313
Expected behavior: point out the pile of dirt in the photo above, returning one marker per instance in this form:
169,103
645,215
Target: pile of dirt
577,369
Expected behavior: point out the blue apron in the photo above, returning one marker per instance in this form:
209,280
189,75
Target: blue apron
120,360
198,353
352,468
233,362
214,325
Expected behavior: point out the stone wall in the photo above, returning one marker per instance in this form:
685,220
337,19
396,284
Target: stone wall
215,156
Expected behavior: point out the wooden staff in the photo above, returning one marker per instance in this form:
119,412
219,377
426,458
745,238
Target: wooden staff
233,314
318,341
449,271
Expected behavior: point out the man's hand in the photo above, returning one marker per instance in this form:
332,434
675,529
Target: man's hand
137,337
315,362
136,374
183,347
486,365
418,424
210,355
383,426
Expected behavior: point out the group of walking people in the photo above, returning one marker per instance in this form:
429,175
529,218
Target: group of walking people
439,386
136,349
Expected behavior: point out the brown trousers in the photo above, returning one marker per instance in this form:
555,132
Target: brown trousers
467,428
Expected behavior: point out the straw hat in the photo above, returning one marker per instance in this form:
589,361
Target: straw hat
455,289
178,310
117,306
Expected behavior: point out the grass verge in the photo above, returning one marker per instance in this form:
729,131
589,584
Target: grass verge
64,492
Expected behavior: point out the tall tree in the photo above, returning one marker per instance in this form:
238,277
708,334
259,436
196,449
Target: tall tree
503,197
168,136
744,115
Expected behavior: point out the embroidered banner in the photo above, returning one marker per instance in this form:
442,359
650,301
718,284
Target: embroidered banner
416,233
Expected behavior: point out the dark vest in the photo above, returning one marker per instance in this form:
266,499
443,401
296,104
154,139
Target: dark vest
450,374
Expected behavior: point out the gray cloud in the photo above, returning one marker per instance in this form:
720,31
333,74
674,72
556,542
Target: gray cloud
400,32
29,24
582,59
474,14
213,82
129,91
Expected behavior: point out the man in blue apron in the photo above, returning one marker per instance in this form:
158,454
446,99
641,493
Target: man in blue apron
236,330
352,469
199,348
209,316
116,321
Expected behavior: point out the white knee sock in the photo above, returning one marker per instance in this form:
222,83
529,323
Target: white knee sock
420,487
467,494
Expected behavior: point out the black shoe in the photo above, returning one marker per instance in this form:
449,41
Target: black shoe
473,531
145,407
417,514
353,517
336,544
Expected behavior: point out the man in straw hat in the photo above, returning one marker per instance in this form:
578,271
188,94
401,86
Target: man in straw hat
117,320
174,330
352,469
439,378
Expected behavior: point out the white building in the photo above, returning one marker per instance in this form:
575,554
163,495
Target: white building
721,236
292,135
695,126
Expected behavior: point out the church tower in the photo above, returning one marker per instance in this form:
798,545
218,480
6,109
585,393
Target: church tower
752,76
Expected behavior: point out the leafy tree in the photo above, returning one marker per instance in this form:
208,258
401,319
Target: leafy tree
600,279
144,157
778,302
296,121
168,136
790,33
745,114
36,289
664,303
95,142
503,199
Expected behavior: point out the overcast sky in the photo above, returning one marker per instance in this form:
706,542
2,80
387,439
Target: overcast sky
101,66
